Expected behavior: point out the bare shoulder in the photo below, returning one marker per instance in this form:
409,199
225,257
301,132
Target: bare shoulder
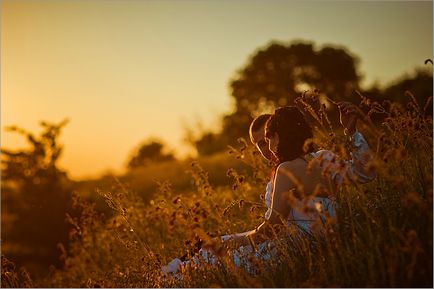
292,166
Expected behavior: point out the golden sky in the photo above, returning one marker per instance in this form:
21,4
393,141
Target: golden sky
123,71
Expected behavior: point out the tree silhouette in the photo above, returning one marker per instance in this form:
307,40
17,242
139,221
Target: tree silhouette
36,195
279,73
275,76
420,85
149,151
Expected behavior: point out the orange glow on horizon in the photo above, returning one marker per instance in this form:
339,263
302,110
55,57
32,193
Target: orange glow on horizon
124,71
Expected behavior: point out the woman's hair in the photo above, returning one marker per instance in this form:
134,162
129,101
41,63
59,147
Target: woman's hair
293,131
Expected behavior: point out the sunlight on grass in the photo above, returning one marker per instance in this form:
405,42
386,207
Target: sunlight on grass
382,237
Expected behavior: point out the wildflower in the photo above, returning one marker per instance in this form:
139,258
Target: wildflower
176,200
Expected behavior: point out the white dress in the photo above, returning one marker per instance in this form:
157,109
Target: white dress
339,171
356,170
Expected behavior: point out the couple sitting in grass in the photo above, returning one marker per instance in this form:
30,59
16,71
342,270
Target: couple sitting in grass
300,197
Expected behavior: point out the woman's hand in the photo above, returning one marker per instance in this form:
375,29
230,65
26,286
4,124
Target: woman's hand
348,116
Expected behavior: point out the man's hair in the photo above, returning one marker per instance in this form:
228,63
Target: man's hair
257,123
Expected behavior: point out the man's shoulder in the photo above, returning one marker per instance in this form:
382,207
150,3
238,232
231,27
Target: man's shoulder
324,155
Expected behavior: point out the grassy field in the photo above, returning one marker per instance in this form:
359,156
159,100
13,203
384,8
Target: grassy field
382,237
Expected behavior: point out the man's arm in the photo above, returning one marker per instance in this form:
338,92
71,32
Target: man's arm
358,169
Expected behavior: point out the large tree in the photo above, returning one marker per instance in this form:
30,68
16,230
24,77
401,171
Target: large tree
276,75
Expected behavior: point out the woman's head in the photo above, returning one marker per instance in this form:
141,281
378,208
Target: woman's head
287,131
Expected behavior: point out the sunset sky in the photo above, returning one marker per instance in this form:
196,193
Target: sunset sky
123,71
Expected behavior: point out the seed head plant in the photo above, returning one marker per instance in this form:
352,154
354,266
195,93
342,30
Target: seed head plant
382,236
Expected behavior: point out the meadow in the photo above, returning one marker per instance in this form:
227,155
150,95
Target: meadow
382,236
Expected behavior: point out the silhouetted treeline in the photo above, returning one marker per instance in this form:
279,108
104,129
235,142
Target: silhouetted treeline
150,151
278,73
36,195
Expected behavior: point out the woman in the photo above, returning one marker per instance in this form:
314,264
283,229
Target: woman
303,182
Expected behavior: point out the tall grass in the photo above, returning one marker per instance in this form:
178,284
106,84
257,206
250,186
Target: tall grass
382,237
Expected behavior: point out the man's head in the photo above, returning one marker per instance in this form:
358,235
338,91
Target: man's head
257,135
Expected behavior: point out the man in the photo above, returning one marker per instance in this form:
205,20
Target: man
257,135
355,170
339,171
